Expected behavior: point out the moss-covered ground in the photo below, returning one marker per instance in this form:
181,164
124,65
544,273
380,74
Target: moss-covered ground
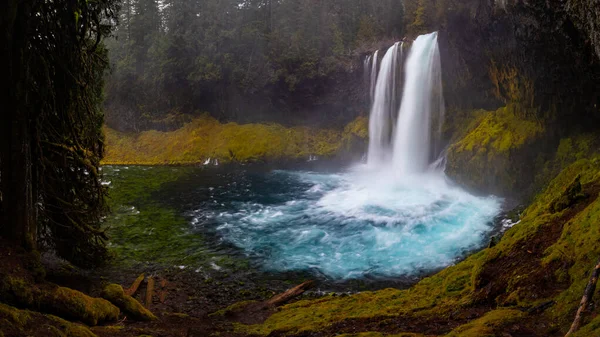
205,138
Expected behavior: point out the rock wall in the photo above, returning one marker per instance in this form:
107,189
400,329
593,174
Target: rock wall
539,59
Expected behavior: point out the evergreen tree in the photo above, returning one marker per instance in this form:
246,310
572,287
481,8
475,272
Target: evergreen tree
51,137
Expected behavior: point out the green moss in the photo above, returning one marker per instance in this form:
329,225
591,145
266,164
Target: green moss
591,329
71,329
31,323
499,131
16,290
378,334
436,295
71,303
492,152
232,309
489,325
206,138
115,294
19,317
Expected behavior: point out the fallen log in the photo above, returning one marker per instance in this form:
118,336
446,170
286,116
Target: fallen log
149,291
585,300
134,287
289,294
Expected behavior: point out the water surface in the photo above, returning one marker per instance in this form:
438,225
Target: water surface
347,224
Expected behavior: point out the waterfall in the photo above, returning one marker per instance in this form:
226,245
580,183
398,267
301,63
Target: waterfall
405,127
422,109
380,126
373,74
367,71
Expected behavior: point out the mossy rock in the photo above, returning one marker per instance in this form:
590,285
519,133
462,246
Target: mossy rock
73,304
115,294
496,152
233,309
64,302
489,325
17,322
15,290
570,196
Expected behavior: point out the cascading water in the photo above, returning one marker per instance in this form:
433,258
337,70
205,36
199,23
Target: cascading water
392,217
380,127
374,73
367,70
422,103
409,139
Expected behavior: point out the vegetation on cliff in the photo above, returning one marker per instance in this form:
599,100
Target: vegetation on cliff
205,138
494,150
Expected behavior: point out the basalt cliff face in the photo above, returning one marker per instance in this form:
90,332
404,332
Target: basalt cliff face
521,82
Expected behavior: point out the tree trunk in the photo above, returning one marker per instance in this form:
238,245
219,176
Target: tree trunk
17,215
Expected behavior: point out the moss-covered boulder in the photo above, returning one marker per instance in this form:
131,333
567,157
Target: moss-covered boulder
115,294
490,325
64,302
72,304
496,153
15,322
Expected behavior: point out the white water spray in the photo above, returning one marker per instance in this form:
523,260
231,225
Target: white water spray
367,71
373,74
380,125
422,109
408,140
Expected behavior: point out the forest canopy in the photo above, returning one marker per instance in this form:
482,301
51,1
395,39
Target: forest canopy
234,58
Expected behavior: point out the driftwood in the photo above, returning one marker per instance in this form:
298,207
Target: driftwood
163,283
162,296
289,294
134,287
585,300
149,291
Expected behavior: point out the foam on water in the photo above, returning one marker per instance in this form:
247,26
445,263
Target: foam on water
360,224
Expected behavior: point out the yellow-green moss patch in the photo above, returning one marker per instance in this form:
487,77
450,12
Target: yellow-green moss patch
115,294
205,138
488,325
493,151
378,334
71,303
234,308
499,131
436,295
29,323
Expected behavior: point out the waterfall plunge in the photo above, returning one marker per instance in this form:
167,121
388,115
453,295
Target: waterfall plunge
415,142
422,105
382,109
